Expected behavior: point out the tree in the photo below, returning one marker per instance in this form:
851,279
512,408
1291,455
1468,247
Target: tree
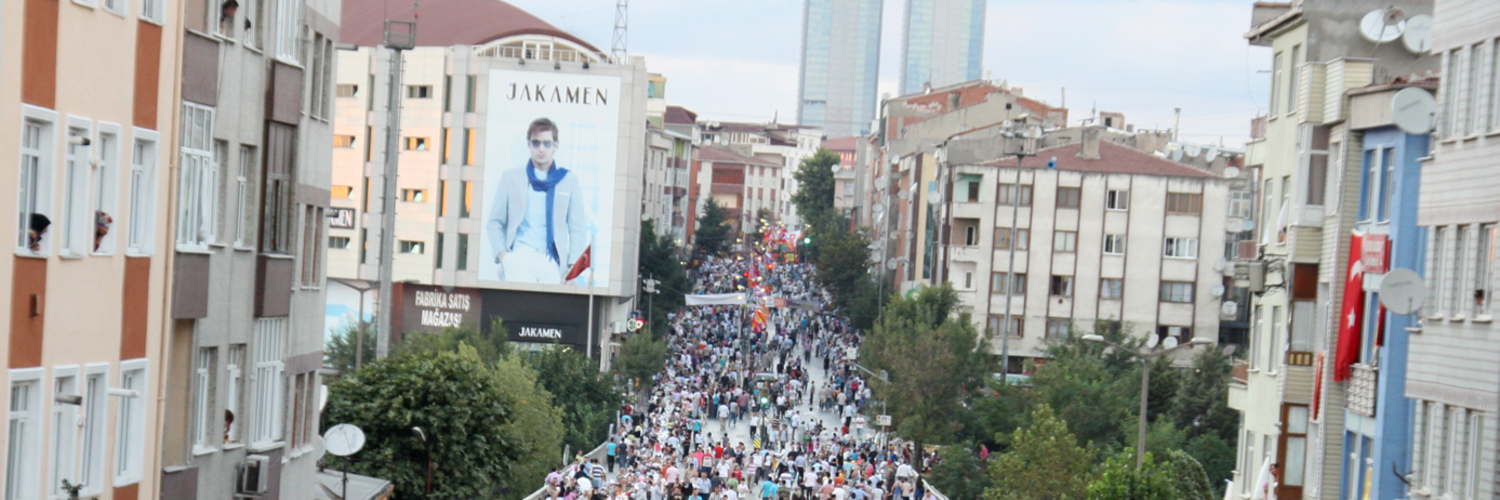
1200,408
339,352
659,261
588,398
713,232
642,355
843,265
815,184
930,355
997,414
1045,462
1188,479
1215,455
490,345
537,426
1120,480
1090,393
959,473
457,402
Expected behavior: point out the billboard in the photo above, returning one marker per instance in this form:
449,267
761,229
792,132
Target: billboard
550,161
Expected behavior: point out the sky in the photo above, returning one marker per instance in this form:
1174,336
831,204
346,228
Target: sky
737,60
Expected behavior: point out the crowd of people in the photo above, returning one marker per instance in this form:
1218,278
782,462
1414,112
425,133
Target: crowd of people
747,409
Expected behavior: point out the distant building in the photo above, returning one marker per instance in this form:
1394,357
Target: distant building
840,65
942,43
742,183
784,144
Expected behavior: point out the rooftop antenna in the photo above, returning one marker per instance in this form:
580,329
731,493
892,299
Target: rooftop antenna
622,15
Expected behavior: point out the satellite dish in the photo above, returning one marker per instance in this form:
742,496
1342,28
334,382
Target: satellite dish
1231,172
1219,266
1151,341
1217,290
903,195
1176,154
1413,109
878,208
836,168
1169,342
883,182
890,264
1193,150
1376,28
1229,308
1402,291
1418,35
1249,225
343,440
873,245
1213,153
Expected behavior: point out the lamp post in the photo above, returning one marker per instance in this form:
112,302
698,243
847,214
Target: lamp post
428,444
1145,357
1007,329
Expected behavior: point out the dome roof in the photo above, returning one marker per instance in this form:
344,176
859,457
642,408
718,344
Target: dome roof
445,23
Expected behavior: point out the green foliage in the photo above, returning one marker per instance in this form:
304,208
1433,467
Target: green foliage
712,233
843,265
537,426
1045,462
1215,455
659,261
1120,480
960,474
588,398
339,351
491,345
460,405
642,355
1200,404
1093,394
1188,479
815,184
930,355
995,416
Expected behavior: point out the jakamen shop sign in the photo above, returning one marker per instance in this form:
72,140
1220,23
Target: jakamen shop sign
538,332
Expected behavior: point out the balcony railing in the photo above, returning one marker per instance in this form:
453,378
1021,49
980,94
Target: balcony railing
1363,379
543,53
1258,128
1241,371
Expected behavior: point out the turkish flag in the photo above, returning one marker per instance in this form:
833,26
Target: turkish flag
584,261
1349,318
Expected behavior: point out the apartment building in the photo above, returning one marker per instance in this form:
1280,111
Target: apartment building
481,74
86,94
787,145
244,342
743,183
1103,235
1453,376
1293,411
664,190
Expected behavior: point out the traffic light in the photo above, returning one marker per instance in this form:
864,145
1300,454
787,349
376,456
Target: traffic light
807,240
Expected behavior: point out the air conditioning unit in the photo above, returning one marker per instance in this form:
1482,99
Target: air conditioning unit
253,472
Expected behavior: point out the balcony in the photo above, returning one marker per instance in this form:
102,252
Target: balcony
1363,379
1241,371
967,253
1258,128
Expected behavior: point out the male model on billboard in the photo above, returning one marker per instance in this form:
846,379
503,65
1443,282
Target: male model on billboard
539,225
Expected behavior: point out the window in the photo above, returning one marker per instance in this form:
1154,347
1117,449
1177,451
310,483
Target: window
442,198
1117,199
234,372
1439,245
203,401
95,407
972,193
1182,333
1317,177
418,91
23,451
343,141
338,242
1420,426
463,251
244,222
322,77
996,326
1276,83
1062,286
142,195
35,208
1068,197
1065,241
1270,348
279,216
1176,291
965,232
298,421
269,387
287,29
968,280
437,257
1471,90
1304,318
116,7
1293,83
1006,195
222,226
1181,248
312,252
1184,203
76,220
470,91
1114,244
971,235
1456,279
416,143
447,146
1002,238
222,22
105,184
1475,445
468,201
64,437
1058,328
1494,86
1484,268
411,246
1241,204
197,190
130,424
998,283
347,90
471,138
414,195
1111,288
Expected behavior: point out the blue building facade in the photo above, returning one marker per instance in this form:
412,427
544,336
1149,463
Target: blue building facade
840,66
942,43
1377,437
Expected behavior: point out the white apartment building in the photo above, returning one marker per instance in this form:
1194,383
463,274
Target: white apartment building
1107,234
787,145
664,197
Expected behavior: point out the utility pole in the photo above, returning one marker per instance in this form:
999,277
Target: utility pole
399,36
622,16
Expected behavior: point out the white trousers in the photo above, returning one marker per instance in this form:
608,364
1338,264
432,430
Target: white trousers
529,265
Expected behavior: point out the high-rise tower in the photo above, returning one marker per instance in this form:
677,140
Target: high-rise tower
942,43
840,63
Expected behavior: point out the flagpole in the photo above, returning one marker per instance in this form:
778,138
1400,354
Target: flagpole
590,285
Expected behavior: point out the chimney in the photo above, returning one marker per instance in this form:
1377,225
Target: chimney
1089,147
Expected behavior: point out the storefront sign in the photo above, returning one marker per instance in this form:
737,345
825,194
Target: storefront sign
540,333
431,309
1372,253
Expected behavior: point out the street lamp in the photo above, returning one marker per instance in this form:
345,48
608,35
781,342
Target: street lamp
428,444
1145,357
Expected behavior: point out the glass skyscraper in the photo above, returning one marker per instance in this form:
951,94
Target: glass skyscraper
942,43
840,65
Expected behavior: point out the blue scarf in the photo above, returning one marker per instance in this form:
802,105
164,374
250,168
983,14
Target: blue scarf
549,186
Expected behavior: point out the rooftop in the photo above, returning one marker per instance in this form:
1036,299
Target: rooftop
841,144
448,23
726,155
680,115
1113,159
